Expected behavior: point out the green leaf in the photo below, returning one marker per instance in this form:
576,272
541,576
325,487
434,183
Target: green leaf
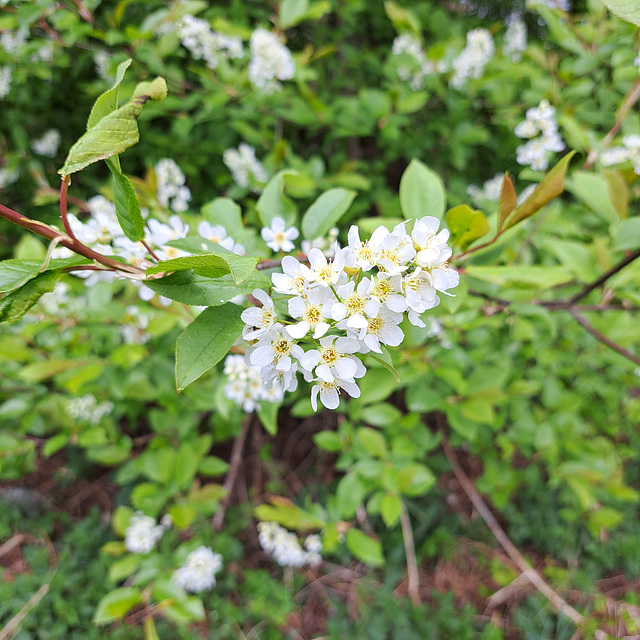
627,235
390,509
328,440
124,567
350,494
268,414
536,277
190,288
126,202
115,132
466,225
211,265
325,212
415,480
14,273
212,466
593,189
508,200
182,515
120,520
421,192
206,341
108,101
274,203
55,444
225,212
187,462
402,18
116,603
150,632
372,441
550,187
18,302
289,515
628,10
365,548
292,12
385,360
381,415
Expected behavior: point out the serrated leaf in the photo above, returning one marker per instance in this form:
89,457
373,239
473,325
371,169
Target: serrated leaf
365,548
116,603
108,101
466,225
18,302
206,341
550,186
190,288
115,132
325,212
126,202
628,10
211,265
508,200
15,273
421,192
274,203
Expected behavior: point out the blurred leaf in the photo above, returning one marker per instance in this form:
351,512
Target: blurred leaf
116,603
593,189
187,462
210,265
149,627
224,212
421,191
365,548
274,203
402,18
18,302
372,441
213,466
508,200
120,520
466,225
328,440
291,12
325,212
124,567
287,514
628,10
535,277
268,415
627,235
390,509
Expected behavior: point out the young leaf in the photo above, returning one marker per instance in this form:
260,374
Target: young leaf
108,101
466,225
116,603
402,18
508,200
225,212
206,341
211,265
365,548
291,12
115,132
268,414
421,192
274,203
550,187
385,360
18,302
126,202
628,10
325,212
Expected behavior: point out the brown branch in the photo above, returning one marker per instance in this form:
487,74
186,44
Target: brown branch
234,467
527,570
413,578
85,14
64,188
598,336
464,254
150,250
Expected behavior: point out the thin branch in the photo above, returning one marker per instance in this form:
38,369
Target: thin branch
272,264
64,188
527,570
150,250
468,252
413,586
596,334
234,467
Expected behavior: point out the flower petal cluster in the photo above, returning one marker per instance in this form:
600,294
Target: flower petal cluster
246,169
170,186
285,547
419,68
11,41
198,573
48,144
270,61
204,44
515,38
218,234
277,237
541,128
490,190
87,409
142,534
339,312
5,81
244,385
628,152
473,58
7,176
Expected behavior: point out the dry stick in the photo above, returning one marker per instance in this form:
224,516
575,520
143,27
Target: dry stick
234,466
527,570
413,578
596,334
8,630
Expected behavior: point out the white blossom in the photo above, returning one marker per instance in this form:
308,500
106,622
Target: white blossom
204,44
170,186
515,38
198,571
326,244
88,409
246,169
313,310
355,303
293,280
473,58
277,237
329,392
8,176
102,62
490,190
133,329
540,121
275,350
259,320
11,41
270,61
245,385
421,67
5,81
285,546
217,234
48,144
142,534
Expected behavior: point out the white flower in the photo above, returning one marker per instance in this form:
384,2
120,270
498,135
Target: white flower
8,176
48,144
327,245
365,254
422,66
102,63
320,271
474,57
11,41
161,233
615,155
204,44
246,169
383,329
274,350
354,303
217,234
420,295
5,81
87,409
330,392
142,534
313,310
515,38
133,330
277,237
198,571
334,360
293,280
285,546
245,385
270,61
170,186
259,320
490,190
396,250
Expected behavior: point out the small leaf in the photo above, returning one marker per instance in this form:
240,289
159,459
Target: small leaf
551,186
206,341
186,466
292,12
466,225
124,567
225,212
213,466
274,203
211,265
508,200
372,441
116,603
108,101
126,202
385,360
328,440
390,509
18,302
325,212
628,10
120,520
421,192
268,414
364,548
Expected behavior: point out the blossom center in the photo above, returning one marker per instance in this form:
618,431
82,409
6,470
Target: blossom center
281,347
312,314
354,304
330,356
374,326
325,274
382,289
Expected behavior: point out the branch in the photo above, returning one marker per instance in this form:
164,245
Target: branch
64,188
468,252
413,587
596,334
527,570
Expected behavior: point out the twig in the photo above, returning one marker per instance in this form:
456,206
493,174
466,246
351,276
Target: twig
484,245
413,582
234,467
150,250
527,570
64,188
85,14
596,334
272,264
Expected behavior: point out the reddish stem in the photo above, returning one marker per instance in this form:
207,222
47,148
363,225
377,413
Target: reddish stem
64,189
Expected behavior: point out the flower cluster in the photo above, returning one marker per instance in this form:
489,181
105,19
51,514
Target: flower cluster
198,571
218,234
170,186
421,67
490,190
628,152
246,169
102,62
341,312
270,61
5,81
515,38
541,128
473,58
133,328
48,144
8,176
277,237
142,534
326,244
286,548
87,409
564,5
244,385
204,44
11,41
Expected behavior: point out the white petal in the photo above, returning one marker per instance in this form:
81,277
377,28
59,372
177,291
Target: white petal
330,398
325,373
346,368
299,330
